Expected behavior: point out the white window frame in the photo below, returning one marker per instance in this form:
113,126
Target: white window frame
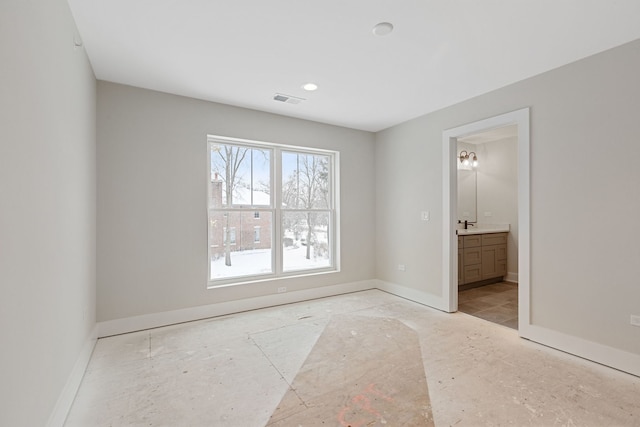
276,210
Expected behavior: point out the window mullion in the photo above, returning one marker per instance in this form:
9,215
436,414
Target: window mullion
276,186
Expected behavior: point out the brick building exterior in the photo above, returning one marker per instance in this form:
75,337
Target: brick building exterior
249,229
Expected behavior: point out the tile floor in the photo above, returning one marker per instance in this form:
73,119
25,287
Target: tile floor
236,371
497,303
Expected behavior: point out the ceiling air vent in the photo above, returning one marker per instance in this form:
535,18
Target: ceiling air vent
287,98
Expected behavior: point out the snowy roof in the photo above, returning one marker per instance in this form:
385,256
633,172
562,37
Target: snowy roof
242,196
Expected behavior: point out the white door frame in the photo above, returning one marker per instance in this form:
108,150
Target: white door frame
450,215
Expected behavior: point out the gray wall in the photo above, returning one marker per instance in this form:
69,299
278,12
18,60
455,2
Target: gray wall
498,191
152,171
584,201
47,206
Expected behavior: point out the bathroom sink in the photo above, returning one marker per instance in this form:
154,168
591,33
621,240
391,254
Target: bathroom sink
483,229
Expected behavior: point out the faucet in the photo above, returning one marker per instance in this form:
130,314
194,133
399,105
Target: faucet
467,224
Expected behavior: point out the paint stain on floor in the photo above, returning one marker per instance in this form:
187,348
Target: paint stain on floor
362,371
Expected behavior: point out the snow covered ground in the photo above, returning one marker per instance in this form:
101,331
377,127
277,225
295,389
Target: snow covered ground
258,261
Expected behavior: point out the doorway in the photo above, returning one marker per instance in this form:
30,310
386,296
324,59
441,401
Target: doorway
519,119
487,228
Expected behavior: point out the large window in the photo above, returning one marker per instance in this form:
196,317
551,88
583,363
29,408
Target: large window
271,210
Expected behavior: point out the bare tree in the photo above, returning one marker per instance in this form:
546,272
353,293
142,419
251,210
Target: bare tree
307,188
229,158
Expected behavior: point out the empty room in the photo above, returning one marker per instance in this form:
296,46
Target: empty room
361,213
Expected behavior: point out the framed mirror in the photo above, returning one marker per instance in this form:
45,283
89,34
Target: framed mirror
467,195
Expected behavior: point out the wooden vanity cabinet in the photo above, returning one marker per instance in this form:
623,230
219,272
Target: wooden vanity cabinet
482,257
460,262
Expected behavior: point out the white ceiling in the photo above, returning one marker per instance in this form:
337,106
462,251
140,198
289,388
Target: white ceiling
242,52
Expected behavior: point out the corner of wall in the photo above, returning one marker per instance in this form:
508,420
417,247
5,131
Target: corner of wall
68,394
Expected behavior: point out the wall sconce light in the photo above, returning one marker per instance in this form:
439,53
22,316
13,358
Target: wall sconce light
468,159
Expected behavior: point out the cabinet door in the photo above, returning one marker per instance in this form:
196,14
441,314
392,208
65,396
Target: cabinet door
502,267
460,268
494,261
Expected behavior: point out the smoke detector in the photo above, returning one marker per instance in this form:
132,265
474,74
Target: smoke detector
287,98
383,29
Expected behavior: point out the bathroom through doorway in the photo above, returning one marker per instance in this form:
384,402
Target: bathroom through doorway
487,226
486,235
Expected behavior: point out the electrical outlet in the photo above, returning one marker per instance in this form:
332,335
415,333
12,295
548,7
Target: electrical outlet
488,214
401,267
282,289
635,320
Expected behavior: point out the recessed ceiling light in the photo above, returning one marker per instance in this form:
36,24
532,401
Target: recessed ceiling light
383,29
310,87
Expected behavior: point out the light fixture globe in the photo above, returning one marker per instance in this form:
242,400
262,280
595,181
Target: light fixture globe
464,157
474,159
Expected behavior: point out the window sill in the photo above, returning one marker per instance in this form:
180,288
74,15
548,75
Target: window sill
262,279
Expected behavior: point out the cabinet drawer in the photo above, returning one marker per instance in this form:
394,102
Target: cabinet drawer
494,239
472,256
472,241
460,242
472,273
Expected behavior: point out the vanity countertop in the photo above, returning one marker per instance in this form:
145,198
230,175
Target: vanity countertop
483,229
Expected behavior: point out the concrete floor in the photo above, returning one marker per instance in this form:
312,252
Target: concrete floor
362,359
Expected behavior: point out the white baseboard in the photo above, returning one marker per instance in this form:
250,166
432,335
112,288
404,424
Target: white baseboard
511,277
68,394
599,353
155,320
413,295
